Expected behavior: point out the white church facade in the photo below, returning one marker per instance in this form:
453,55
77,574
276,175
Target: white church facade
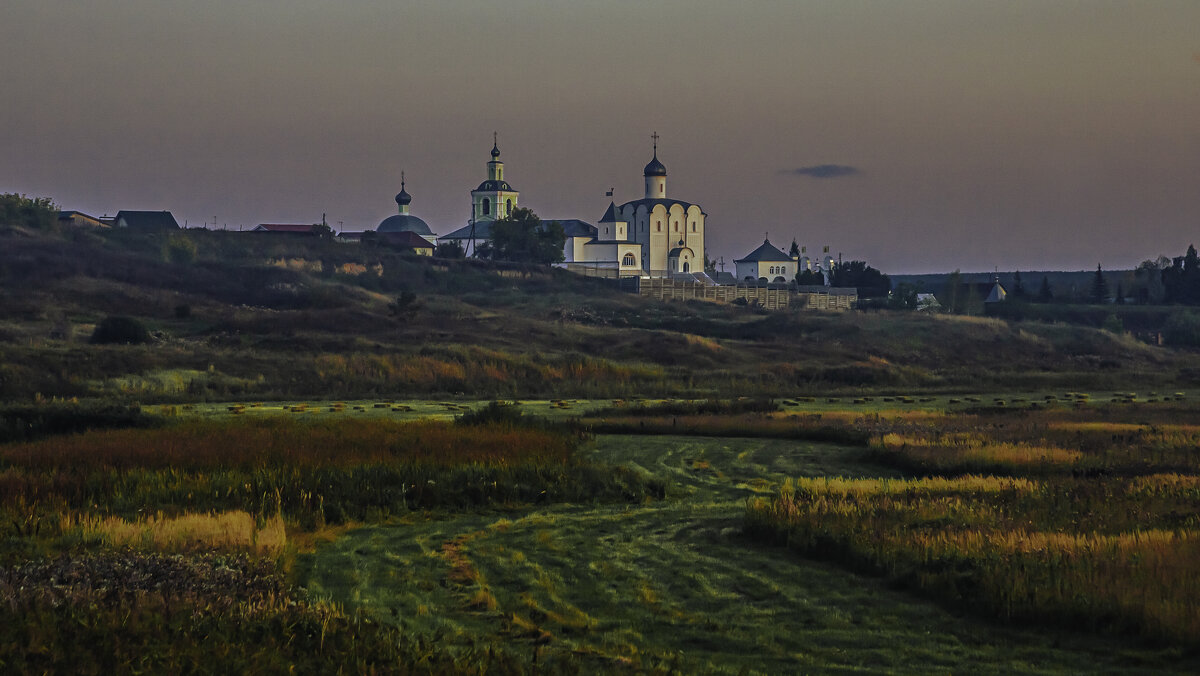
653,236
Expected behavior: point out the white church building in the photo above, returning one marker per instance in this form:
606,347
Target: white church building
654,236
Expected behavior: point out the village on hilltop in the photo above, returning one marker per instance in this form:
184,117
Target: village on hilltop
654,245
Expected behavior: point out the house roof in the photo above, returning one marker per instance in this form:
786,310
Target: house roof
147,220
767,253
298,228
651,202
71,215
495,186
572,227
404,223
406,238
610,215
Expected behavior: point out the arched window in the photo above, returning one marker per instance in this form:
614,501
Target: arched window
487,206
685,268
629,261
676,226
508,206
693,226
657,226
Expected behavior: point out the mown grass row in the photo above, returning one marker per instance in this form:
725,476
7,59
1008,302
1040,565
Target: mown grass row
313,473
1105,554
107,538
124,612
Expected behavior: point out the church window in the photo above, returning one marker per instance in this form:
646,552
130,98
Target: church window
487,206
676,226
508,206
693,227
628,260
658,226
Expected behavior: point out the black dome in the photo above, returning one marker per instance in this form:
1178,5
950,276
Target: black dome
404,223
655,168
495,185
403,198
495,151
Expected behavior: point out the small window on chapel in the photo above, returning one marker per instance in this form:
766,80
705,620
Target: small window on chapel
676,226
658,226
487,206
693,227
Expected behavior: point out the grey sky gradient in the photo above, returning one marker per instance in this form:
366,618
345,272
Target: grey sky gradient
1027,134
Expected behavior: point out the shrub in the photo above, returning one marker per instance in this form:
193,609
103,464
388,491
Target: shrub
1182,329
180,249
121,330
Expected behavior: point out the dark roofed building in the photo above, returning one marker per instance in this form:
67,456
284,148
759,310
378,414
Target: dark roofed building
404,221
146,221
766,262
78,218
405,240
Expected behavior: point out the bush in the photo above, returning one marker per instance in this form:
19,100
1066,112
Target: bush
180,249
29,422
1182,330
496,412
120,330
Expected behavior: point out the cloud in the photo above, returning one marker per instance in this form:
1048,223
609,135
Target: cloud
825,171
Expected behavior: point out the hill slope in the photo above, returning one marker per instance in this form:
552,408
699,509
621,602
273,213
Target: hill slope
263,316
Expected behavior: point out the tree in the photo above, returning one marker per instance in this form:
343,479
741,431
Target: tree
117,329
794,252
523,237
322,231
870,282
1018,289
1147,285
1045,294
810,278
1098,293
903,297
952,293
405,305
710,266
29,212
1120,297
449,248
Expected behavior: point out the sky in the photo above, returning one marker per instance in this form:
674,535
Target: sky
918,135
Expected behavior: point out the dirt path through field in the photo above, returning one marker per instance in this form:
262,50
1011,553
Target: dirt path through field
673,581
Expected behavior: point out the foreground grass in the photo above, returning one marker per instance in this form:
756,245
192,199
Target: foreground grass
311,473
106,552
1114,555
675,583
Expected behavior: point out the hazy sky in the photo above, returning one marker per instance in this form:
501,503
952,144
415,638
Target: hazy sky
1019,134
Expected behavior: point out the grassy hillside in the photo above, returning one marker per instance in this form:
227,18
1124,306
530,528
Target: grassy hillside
237,315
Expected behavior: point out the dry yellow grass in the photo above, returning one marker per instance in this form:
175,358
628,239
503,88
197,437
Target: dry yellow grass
965,447
235,530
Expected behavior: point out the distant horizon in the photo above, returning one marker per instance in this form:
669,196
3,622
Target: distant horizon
917,136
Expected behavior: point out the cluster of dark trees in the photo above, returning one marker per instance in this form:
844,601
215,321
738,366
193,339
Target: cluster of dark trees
29,212
522,237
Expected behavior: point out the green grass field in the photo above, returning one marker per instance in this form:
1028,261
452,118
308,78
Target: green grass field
675,584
